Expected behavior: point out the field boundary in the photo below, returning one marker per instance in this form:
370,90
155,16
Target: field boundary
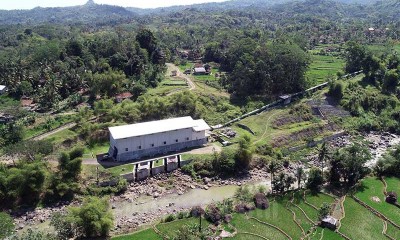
273,226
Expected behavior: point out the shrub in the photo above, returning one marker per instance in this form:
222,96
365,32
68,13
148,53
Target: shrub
243,207
77,152
391,197
261,201
6,225
94,217
170,218
182,215
213,214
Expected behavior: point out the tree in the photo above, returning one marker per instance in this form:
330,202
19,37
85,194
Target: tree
282,182
147,40
74,48
6,225
245,152
299,176
355,54
273,166
324,210
315,179
349,162
93,217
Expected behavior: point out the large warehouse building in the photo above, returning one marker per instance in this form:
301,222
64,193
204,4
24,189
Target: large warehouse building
135,141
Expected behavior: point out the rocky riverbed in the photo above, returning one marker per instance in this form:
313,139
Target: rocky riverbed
147,201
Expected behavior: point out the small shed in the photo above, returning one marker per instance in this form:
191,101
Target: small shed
329,222
3,89
200,71
286,99
174,73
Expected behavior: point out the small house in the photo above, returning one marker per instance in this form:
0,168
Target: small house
122,96
286,99
200,71
329,222
174,73
3,89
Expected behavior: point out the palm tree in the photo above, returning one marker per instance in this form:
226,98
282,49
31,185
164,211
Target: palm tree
323,152
299,175
272,168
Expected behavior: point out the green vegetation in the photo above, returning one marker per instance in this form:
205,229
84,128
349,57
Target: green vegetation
145,234
6,225
371,192
368,225
322,67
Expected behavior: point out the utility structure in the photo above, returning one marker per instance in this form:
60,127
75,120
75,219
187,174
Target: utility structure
148,139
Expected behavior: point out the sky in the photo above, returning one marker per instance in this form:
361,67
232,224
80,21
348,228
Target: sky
29,4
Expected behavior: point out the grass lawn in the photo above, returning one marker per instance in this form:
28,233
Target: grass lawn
393,231
323,66
359,223
63,135
7,102
169,229
141,235
97,149
54,122
279,216
324,234
372,187
393,184
121,169
318,199
243,225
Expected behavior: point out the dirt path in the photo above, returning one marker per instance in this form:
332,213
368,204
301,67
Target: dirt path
267,125
179,74
54,131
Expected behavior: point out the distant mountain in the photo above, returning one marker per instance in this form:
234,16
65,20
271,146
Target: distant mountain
88,13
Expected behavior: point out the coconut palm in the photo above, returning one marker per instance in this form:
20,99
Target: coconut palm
299,175
273,166
322,155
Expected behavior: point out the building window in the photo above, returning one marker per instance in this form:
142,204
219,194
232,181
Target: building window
187,139
152,144
165,143
126,149
140,147
176,140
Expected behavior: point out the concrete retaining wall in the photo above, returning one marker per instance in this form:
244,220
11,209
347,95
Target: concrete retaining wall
142,174
157,170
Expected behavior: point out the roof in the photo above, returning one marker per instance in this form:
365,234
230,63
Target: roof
147,128
330,219
2,87
285,96
200,69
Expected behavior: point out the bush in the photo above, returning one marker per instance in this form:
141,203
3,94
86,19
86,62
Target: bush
315,179
261,201
77,152
213,214
94,217
336,90
391,197
6,225
170,218
243,207
182,215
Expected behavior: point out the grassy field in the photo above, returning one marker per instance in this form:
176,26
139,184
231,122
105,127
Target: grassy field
7,102
359,223
372,190
144,234
393,184
322,67
39,127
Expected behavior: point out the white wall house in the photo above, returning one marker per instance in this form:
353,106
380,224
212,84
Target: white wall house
3,89
130,142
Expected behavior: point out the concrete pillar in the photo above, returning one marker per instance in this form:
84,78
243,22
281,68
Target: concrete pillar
151,168
165,164
136,170
179,161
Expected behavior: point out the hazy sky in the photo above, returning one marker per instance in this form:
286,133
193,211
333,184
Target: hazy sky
28,4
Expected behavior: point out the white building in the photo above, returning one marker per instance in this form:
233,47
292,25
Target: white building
3,89
147,139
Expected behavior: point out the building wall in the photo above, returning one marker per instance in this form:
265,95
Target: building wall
138,147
